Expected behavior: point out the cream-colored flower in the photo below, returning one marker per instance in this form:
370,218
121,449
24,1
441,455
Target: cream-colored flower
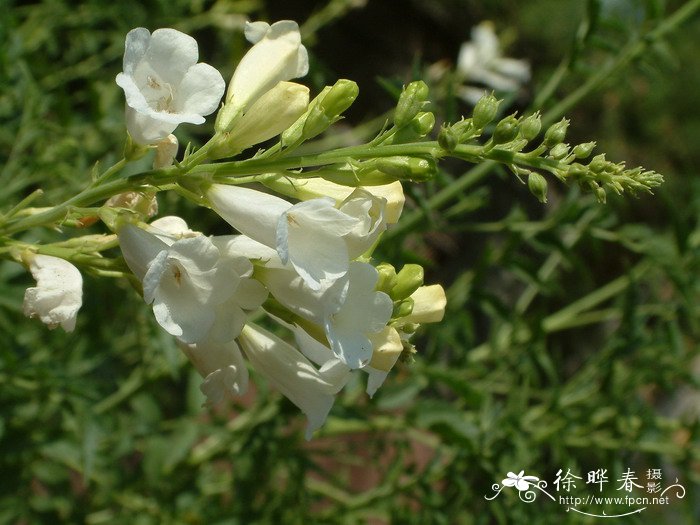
58,294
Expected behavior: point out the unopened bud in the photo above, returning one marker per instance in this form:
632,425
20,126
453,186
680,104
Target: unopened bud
387,277
423,123
559,151
448,138
506,130
326,109
600,195
402,308
409,279
411,101
416,169
419,127
582,151
530,126
556,133
485,110
271,114
166,151
598,163
538,186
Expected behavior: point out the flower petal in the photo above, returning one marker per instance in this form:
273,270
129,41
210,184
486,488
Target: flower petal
135,48
200,90
171,53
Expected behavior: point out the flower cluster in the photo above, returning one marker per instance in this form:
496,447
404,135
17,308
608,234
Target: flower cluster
299,258
305,263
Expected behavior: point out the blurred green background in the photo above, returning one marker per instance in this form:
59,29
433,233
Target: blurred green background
570,338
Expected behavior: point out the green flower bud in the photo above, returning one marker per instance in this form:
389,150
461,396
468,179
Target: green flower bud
423,123
576,170
598,164
506,130
409,279
416,169
530,126
600,195
325,109
387,277
582,151
485,110
556,133
448,138
538,186
411,101
419,127
559,151
402,308
294,134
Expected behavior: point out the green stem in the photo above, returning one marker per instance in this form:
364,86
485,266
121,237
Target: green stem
91,195
220,171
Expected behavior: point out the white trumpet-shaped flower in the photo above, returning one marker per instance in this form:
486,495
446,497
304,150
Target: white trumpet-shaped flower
193,289
480,60
58,294
164,85
351,321
387,349
310,389
222,367
351,311
308,235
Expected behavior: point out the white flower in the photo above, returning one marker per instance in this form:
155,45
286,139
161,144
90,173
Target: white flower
222,367
277,55
387,349
352,317
193,288
308,235
164,85
58,294
480,61
310,389
315,187
351,311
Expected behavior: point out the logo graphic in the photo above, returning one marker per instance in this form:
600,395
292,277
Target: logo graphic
529,487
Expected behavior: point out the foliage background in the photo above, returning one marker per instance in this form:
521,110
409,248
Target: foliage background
570,339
